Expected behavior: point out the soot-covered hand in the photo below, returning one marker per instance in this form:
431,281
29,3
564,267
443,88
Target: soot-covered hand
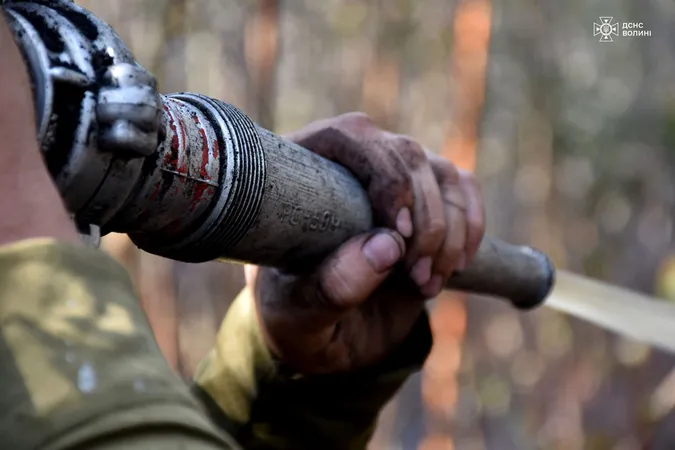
363,300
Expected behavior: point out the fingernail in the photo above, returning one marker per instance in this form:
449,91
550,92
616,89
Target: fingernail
421,271
461,263
433,286
404,222
382,252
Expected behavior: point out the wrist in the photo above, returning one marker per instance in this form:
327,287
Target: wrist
34,205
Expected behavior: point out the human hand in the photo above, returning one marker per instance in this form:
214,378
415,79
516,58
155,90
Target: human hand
363,300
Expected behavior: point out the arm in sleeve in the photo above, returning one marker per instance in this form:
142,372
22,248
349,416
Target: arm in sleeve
264,406
80,367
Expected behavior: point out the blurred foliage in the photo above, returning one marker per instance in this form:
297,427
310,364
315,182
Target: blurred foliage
576,155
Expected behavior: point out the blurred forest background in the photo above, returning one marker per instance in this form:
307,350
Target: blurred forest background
573,139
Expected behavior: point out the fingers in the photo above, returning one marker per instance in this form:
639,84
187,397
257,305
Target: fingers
437,208
465,220
398,177
451,254
358,268
475,212
315,302
428,218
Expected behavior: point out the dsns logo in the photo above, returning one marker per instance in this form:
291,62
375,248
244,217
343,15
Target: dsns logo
606,29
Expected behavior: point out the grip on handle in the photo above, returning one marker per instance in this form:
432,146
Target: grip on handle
316,187
520,274
278,204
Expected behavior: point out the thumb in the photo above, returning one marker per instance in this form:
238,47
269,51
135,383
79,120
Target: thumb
351,274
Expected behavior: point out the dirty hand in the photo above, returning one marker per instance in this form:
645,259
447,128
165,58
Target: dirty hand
363,300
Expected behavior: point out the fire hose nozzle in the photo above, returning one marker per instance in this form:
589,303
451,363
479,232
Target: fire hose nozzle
192,178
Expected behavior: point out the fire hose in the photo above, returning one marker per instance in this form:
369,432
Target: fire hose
192,178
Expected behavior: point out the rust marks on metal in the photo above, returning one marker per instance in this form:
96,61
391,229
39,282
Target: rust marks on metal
206,151
169,157
155,191
184,182
216,149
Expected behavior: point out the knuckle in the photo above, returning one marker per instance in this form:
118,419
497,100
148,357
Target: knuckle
393,180
331,142
468,178
356,119
409,148
449,171
445,171
452,196
399,171
444,165
326,141
332,133
407,142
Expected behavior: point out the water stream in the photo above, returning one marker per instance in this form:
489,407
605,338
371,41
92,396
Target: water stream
626,312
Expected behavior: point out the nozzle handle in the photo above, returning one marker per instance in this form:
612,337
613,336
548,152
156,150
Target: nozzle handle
521,274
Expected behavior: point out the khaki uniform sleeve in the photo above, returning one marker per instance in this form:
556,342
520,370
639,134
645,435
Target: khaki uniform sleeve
266,407
80,367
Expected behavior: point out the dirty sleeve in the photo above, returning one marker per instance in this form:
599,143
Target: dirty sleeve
80,367
267,406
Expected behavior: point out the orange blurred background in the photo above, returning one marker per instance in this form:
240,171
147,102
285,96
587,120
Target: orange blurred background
573,141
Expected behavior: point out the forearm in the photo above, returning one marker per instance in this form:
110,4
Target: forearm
252,397
30,204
